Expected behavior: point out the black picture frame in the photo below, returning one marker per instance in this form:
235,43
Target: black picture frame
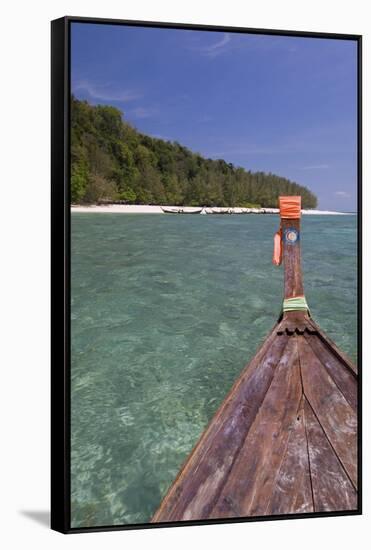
60,269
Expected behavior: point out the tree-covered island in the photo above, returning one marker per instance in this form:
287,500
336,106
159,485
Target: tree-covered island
112,161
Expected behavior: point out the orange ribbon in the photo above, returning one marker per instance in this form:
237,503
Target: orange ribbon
277,248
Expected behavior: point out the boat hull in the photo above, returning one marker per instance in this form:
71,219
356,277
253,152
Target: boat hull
272,447
181,211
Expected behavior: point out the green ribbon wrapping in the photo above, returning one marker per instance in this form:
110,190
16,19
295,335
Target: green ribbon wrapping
298,303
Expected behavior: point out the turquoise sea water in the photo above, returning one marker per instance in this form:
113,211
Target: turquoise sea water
166,311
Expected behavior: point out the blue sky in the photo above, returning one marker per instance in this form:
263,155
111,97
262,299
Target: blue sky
278,104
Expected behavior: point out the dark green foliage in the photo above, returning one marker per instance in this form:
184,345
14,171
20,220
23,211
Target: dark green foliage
129,196
79,175
112,161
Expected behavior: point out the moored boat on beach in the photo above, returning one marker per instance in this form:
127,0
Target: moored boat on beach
180,211
284,440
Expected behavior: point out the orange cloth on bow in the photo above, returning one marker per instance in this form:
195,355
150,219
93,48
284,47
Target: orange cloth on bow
290,207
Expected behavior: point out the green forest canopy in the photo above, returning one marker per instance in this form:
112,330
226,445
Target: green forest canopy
112,161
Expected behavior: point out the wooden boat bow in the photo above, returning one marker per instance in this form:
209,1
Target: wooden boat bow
284,440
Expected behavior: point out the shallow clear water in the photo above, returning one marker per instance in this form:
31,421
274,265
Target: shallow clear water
166,311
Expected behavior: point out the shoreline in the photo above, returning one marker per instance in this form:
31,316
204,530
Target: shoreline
154,209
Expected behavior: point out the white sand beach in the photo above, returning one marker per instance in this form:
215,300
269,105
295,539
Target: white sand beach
151,209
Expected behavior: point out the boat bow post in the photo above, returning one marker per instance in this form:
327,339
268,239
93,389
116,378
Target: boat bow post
287,249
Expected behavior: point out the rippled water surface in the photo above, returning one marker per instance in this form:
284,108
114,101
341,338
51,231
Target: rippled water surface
166,311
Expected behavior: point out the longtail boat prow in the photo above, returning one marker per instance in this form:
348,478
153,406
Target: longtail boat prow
284,440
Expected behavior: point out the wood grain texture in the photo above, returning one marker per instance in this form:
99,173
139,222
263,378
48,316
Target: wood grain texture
344,378
336,416
196,488
262,453
293,277
334,349
248,488
295,322
332,489
292,492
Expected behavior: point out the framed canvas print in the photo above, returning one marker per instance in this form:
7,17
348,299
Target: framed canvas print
206,274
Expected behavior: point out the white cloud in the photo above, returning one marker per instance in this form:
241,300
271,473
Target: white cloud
217,45
214,49
342,194
106,92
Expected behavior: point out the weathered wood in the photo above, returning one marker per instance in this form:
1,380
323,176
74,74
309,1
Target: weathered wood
336,416
344,378
295,322
292,492
197,486
251,460
335,350
293,277
332,489
248,488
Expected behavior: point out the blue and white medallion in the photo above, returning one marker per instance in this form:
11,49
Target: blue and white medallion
291,235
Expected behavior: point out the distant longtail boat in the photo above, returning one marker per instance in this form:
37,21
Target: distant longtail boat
284,440
180,211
